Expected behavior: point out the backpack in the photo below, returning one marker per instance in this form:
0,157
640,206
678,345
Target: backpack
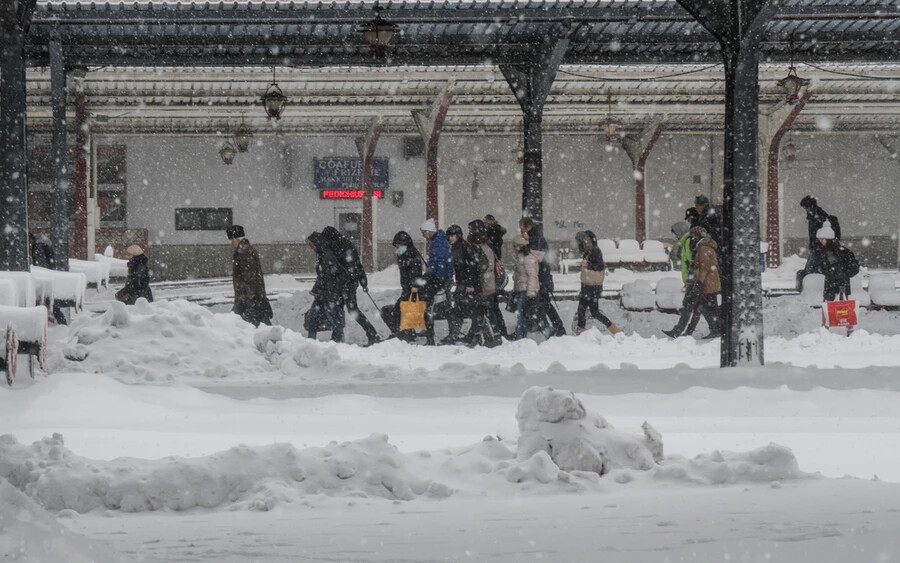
849,261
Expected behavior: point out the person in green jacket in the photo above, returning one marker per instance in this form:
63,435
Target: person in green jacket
692,288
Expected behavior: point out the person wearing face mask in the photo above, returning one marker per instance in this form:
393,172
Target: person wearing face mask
412,282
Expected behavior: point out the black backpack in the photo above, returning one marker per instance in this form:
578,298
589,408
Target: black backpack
849,262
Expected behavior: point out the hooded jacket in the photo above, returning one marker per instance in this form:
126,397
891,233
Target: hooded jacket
410,264
331,278
348,258
467,265
138,282
526,278
247,276
440,258
706,265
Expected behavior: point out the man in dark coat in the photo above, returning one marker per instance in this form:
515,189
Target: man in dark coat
353,275
704,215
137,284
815,219
327,291
42,256
545,296
467,267
494,233
250,301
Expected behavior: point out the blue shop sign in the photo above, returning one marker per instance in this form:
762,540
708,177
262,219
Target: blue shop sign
346,173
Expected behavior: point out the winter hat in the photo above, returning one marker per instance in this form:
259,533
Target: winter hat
519,240
454,230
134,250
680,228
402,238
234,231
826,231
477,226
808,202
429,225
490,219
701,200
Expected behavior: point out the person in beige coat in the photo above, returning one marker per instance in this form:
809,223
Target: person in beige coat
706,267
526,282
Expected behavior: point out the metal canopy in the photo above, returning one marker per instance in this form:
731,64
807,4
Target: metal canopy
441,33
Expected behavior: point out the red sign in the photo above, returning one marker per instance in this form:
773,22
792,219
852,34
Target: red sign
349,194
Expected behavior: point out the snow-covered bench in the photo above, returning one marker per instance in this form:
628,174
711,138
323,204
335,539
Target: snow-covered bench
655,255
25,293
669,296
118,268
883,291
9,293
638,296
814,287
567,263
63,289
24,331
630,252
97,273
609,250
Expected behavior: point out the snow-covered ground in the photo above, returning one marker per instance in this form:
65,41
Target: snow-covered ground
173,431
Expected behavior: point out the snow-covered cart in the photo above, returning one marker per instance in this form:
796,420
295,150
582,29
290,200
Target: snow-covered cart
24,332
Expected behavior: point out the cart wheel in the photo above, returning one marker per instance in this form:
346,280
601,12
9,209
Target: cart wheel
12,355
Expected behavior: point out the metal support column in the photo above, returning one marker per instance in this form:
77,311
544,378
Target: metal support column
366,147
59,221
738,25
430,124
531,85
638,148
13,177
82,151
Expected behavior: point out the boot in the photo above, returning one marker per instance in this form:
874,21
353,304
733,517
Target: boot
614,328
580,330
672,333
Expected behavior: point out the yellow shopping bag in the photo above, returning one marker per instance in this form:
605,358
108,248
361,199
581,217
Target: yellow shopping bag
412,313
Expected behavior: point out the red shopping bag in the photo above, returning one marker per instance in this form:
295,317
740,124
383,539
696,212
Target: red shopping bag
840,313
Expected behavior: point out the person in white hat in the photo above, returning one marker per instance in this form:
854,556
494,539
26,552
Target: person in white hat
137,284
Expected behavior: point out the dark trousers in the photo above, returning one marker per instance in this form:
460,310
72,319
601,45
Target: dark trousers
357,315
490,306
689,307
545,300
322,309
585,302
708,306
467,305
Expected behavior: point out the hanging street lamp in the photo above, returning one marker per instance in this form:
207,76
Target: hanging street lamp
791,84
609,125
378,32
242,136
274,99
227,152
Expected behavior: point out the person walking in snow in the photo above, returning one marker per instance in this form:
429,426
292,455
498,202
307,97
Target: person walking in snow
327,291
530,230
412,282
815,220
137,284
439,276
469,263
351,276
839,264
692,288
526,285
489,303
593,271
705,216
706,274
494,233
250,301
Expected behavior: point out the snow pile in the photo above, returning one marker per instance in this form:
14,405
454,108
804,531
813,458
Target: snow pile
29,534
556,423
161,342
765,464
256,478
